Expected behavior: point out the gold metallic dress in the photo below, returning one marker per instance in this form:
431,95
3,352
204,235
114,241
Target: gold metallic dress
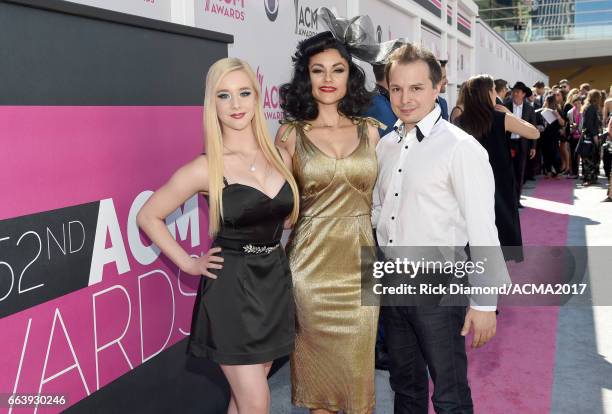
332,366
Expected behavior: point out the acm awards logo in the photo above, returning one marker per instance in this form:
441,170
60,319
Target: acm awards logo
305,19
272,7
270,97
228,8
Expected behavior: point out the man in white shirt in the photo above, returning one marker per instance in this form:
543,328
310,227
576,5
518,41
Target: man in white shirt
435,188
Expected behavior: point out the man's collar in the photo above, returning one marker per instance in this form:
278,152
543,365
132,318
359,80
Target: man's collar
423,127
426,124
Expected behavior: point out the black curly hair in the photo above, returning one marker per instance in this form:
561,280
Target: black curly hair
296,98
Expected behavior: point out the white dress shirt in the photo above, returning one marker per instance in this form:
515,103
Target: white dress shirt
436,192
517,111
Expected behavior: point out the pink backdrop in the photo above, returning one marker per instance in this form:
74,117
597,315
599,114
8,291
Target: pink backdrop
65,156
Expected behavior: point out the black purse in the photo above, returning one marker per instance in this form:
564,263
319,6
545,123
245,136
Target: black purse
586,146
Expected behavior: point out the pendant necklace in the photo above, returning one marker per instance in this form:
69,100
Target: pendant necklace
252,166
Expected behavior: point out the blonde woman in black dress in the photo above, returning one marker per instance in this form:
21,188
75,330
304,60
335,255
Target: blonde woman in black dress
243,317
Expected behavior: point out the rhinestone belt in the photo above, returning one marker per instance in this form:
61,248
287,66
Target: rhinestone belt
252,249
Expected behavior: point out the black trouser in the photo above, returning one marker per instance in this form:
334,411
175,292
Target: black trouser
590,169
520,148
607,163
573,144
531,167
597,155
422,338
550,152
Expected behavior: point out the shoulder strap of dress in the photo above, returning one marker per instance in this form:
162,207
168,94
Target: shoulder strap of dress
299,126
368,120
362,126
225,181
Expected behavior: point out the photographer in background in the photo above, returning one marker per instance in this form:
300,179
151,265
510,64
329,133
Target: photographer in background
588,145
575,119
441,101
606,154
501,89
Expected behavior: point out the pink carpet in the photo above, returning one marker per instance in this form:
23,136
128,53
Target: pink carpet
514,372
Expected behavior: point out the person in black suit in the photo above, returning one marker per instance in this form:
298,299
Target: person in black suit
539,99
440,100
501,87
520,147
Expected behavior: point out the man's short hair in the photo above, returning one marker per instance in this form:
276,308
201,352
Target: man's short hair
410,53
500,85
562,81
538,84
585,86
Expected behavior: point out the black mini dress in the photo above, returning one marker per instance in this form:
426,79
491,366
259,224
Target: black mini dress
246,315
507,218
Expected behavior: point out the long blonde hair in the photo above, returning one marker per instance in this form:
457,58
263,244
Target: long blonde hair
214,143
571,95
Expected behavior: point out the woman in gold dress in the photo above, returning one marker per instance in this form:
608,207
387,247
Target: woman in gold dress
334,164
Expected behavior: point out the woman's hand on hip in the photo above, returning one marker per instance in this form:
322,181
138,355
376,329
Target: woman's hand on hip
201,266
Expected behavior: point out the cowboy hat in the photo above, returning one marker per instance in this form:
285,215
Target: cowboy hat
523,87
